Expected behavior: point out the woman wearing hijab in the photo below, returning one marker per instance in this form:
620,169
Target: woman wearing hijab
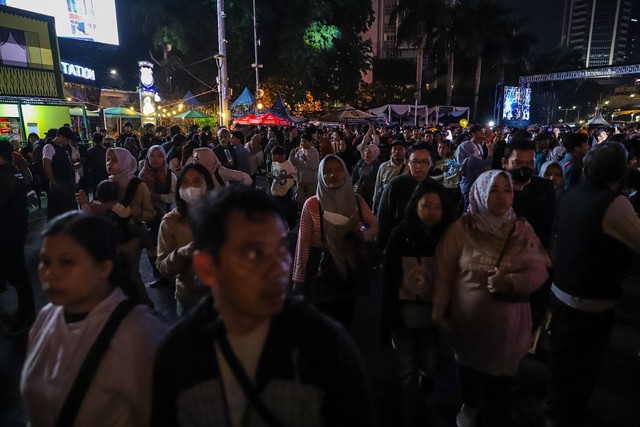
556,154
334,219
135,201
486,266
220,175
161,182
472,165
365,173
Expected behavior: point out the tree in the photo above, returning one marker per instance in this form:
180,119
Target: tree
418,22
486,22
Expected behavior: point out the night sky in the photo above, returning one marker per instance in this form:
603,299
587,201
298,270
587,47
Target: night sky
545,20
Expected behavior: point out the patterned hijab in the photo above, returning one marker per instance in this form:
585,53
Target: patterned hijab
483,221
340,217
154,178
556,154
127,166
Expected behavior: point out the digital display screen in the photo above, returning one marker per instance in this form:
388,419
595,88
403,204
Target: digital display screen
517,103
89,20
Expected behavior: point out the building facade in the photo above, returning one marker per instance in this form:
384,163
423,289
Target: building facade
599,29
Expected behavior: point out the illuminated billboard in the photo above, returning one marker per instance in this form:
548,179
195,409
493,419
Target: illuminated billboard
517,103
89,20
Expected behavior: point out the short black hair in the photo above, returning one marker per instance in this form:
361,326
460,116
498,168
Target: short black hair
518,144
277,150
574,140
97,138
6,150
107,191
418,146
606,163
174,130
238,134
307,136
66,132
475,128
209,218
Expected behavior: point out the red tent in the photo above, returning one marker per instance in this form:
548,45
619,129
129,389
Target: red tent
264,119
272,119
249,119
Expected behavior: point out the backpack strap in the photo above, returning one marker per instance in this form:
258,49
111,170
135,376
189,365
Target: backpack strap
132,187
89,367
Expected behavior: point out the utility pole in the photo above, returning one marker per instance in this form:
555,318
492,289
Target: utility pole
221,61
255,64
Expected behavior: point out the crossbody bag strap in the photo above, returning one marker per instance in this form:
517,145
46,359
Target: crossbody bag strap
322,238
89,367
514,296
248,388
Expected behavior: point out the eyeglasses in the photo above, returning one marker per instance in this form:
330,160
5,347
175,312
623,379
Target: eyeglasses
420,162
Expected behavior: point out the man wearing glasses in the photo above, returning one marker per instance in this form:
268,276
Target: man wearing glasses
397,192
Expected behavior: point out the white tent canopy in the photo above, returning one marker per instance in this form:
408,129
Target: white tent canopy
598,120
439,111
401,111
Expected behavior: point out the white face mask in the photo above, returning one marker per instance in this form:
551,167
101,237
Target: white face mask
192,194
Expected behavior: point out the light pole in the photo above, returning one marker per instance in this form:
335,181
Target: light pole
565,111
221,61
255,64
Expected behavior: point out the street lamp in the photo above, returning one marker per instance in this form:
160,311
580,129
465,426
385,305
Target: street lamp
220,62
566,110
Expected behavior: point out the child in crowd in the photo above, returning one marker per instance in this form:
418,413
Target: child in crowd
282,186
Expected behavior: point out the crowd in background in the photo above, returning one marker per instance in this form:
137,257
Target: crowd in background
463,225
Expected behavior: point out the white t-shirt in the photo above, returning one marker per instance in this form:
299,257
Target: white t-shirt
48,151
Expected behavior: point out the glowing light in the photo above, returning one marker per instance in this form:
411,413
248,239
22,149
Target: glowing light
113,72
491,124
68,98
321,36
260,106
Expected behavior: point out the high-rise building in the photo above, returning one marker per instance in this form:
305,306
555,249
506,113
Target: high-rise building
599,29
383,33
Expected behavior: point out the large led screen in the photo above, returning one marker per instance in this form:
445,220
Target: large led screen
90,20
517,103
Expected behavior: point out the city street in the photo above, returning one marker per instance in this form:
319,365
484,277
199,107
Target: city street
616,401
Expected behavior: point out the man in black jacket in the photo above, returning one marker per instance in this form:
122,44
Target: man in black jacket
254,356
397,192
13,236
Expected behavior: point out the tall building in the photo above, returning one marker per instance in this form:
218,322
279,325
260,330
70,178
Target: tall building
599,29
383,33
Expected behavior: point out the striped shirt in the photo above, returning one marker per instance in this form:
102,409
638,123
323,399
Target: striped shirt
309,234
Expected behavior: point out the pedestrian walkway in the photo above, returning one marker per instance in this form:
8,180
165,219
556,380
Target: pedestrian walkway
616,400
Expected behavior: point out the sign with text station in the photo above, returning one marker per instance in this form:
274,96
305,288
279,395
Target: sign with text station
77,71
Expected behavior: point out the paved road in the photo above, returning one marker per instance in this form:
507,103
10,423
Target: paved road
616,401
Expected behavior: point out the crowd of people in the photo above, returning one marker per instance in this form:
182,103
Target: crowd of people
479,236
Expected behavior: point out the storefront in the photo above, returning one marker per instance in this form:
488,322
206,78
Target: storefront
31,83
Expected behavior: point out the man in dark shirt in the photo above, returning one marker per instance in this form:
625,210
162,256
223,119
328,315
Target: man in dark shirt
13,236
254,356
397,192
225,153
96,161
534,197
